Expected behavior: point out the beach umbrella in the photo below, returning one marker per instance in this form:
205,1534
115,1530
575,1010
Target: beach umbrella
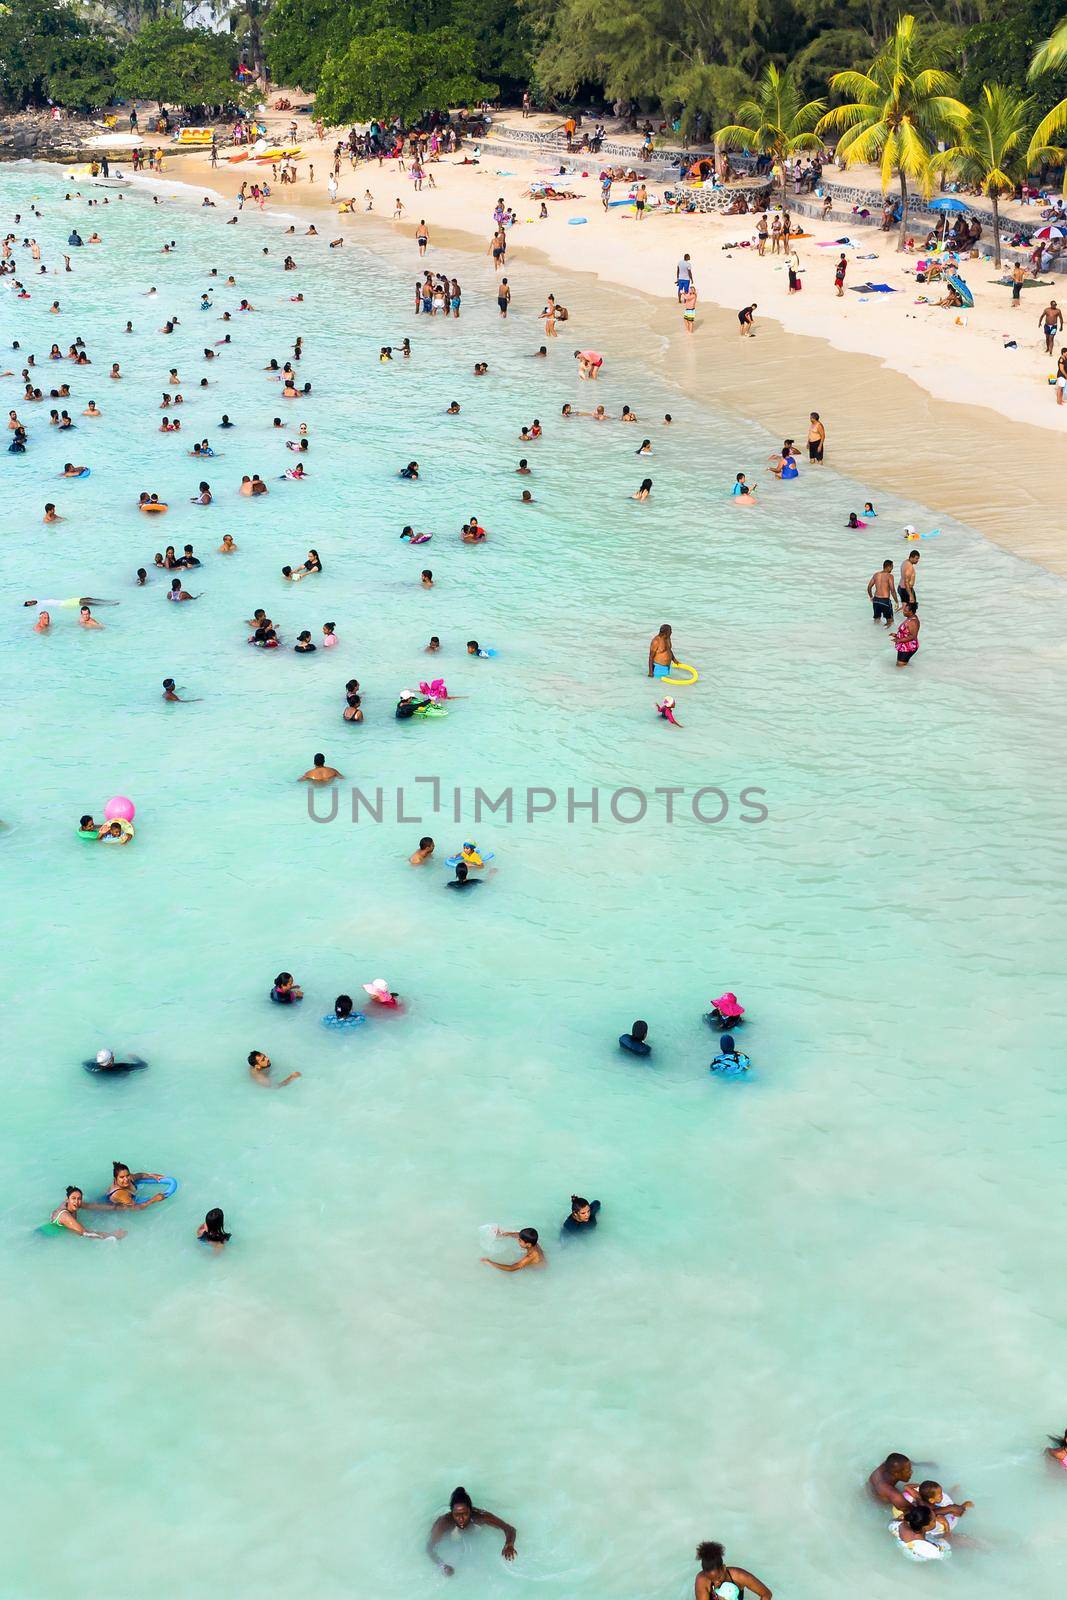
1049,233
947,205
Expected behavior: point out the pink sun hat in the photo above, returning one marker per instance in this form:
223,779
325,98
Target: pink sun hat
726,1005
379,990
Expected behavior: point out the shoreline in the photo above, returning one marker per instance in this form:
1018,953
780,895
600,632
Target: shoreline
886,429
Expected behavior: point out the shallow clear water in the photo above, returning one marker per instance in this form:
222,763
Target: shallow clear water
855,1250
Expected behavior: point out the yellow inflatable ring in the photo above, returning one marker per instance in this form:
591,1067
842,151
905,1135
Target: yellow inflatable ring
681,666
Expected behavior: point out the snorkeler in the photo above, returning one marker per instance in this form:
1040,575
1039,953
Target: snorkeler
463,1514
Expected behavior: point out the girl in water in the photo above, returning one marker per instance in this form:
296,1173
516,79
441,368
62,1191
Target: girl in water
66,1216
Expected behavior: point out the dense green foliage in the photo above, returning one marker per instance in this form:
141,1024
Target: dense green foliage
176,65
300,34
48,51
992,149
393,73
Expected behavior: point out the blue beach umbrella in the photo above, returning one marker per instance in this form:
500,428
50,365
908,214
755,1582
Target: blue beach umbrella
945,206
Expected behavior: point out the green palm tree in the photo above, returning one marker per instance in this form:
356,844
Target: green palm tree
992,151
775,121
896,112
1052,54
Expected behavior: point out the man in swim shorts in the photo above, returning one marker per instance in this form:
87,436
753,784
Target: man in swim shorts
909,568
746,319
816,438
881,592
1050,322
661,656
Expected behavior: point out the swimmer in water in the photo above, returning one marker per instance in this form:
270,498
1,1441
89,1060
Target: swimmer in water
123,1190
636,1041
461,1515
714,1575
644,491
227,547
319,772
463,880
1057,1449
212,1230
259,1065
532,1254
66,1216
666,711
886,1480
582,1219
169,693
87,620
43,623
526,498
433,647
423,853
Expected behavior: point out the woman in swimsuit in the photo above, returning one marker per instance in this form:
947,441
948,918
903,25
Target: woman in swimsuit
717,1581
66,1216
906,637
123,1191
461,1515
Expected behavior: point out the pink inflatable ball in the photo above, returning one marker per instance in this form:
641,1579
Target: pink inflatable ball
119,809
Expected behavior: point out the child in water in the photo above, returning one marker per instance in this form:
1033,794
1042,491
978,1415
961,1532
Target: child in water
729,1062
665,707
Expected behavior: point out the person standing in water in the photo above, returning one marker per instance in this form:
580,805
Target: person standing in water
661,650
462,1514
881,592
717,1581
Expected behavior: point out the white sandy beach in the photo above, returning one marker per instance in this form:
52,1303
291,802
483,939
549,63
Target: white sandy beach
985,456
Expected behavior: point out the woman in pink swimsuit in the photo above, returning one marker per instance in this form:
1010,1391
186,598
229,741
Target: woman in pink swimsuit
906,637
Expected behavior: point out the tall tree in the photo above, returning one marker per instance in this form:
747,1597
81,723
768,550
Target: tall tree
896,112
1051,56
177,66
49,51
992,149
775,121
696,59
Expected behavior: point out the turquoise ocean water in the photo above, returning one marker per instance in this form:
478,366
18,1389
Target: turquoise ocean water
855,1250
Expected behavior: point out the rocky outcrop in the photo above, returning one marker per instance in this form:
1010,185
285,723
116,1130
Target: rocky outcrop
38,136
